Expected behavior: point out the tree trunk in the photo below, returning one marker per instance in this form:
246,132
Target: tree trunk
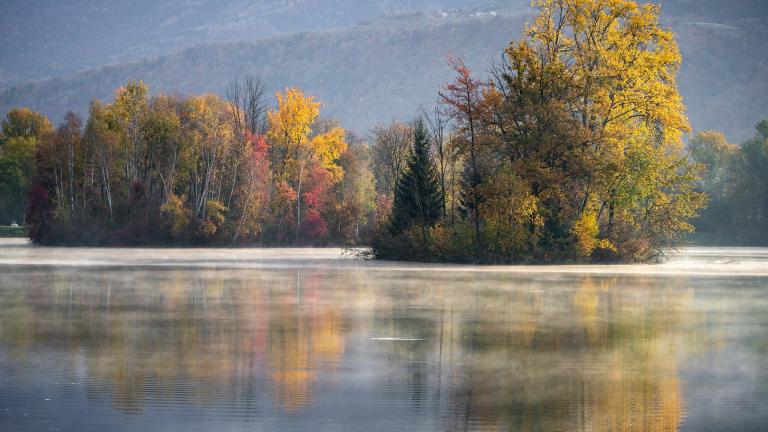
298,202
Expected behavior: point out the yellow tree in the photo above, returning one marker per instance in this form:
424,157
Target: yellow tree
128,109
294,147
206,129
289,127
587,108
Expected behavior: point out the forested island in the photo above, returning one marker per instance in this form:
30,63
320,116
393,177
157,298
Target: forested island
574,147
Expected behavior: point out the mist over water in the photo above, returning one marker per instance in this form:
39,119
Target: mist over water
737,261
308,339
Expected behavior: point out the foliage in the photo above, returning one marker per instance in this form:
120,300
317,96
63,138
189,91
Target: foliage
418,200
194,170
304,156
21,133
737,181
355,215
573,150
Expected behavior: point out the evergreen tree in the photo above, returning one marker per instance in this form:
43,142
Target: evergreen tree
418,200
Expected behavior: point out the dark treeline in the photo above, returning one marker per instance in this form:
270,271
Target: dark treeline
736,179
571,150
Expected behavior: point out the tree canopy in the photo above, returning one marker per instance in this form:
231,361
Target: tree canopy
197,170
573,149
21,132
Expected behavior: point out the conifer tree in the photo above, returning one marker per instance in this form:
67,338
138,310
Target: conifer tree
418,200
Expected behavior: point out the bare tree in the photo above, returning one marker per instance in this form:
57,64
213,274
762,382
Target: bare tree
436,123
246,97
391,148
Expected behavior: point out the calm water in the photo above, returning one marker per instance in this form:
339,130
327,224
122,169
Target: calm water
308,340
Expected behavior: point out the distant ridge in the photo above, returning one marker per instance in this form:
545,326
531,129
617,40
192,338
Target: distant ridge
387,68
364,75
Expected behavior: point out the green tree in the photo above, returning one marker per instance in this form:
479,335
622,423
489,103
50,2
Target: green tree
16,168
752,168
712,149
418,200
736,179
22,132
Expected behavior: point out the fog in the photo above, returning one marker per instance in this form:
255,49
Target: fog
725,261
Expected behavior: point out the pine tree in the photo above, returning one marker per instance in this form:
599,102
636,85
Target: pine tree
418,200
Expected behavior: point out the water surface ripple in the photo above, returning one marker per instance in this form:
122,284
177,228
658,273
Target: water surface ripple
310,339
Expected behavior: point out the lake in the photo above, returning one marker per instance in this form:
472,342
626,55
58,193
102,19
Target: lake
313,340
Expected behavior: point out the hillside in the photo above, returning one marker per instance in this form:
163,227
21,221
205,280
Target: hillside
363,75
43,38
387,67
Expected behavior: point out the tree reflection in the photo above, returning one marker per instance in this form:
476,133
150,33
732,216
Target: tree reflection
608,362
204,334
301,341
470,351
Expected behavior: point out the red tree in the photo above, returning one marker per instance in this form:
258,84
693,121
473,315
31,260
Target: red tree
462,98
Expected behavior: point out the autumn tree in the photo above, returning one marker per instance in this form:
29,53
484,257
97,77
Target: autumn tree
161,134
101,140
252,194
248,109
572,148
586,110
303,150
24,123
127,110
206,127
22,132
355,195
462,100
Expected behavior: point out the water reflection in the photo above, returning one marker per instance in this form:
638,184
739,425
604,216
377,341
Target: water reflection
324,348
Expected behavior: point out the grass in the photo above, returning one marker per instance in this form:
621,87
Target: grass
9,231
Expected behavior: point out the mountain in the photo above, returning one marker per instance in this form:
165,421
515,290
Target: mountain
47,38
385,66
363,75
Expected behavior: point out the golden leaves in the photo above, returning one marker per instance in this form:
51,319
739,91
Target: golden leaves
290,129
328,147
291,123
586,230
